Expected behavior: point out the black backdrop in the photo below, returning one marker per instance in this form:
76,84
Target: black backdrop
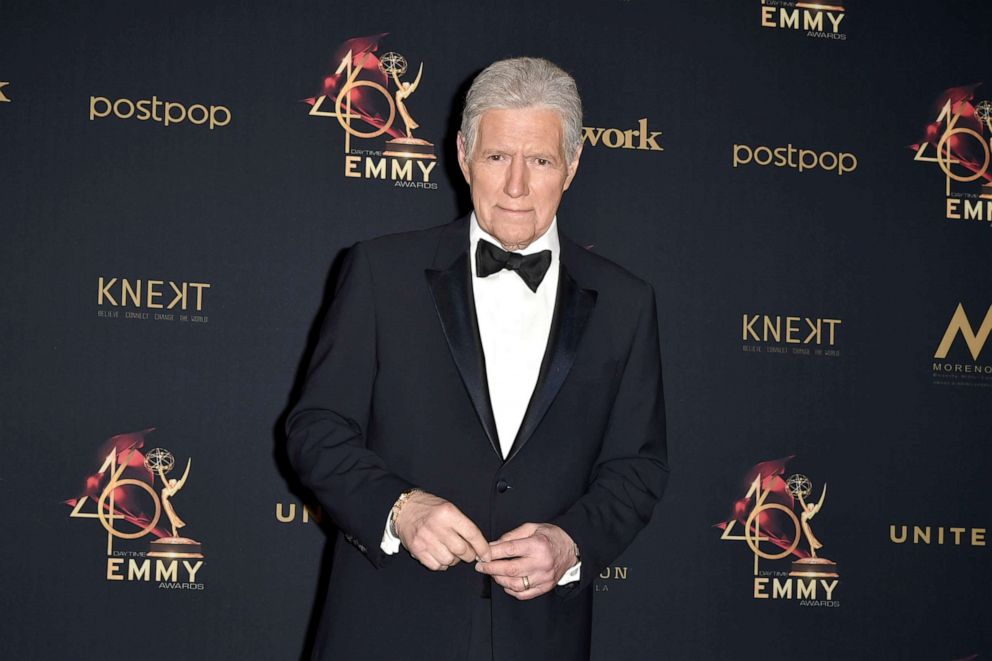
259,208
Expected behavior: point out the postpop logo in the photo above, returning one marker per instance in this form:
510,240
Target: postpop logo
168,113
797,158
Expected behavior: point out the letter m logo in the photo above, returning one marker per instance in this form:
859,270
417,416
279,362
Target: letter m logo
960,324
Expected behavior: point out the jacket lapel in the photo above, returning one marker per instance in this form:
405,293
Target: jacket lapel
451,289
450,282
573,306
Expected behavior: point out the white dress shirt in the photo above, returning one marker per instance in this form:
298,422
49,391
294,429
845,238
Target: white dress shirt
514,323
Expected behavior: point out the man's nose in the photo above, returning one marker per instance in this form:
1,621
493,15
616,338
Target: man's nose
516,179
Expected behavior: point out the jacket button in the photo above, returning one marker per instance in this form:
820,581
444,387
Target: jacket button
502,486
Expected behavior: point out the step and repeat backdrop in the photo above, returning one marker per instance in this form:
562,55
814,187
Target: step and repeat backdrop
807,186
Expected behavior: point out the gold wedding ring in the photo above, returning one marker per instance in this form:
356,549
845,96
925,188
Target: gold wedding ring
526,583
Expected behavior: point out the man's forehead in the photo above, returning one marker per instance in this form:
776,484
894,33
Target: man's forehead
534,124
532,117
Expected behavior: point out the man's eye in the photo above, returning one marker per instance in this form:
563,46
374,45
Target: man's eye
543,161
496,157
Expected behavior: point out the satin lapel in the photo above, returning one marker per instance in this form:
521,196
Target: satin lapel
573,306
452,292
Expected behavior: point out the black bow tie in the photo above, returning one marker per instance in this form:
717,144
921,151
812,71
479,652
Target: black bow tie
531,268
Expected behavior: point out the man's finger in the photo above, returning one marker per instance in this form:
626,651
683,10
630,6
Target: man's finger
426,559
514,548
521,531
509,568
431,553
437,559
457,545
443,556
514,587
535,591
474,537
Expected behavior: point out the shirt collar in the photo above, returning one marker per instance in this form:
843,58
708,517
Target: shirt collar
547,241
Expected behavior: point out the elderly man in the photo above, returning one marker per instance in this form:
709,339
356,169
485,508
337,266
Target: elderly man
483,415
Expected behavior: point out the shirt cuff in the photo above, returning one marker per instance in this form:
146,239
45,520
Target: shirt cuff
570,576
390,544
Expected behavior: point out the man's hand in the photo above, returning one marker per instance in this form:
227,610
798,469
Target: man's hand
437,534
541,552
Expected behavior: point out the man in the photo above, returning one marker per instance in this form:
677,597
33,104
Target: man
487,395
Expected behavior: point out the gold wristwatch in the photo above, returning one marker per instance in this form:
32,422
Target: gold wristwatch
397,506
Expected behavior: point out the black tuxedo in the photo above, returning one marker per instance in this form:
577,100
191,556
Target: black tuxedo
397,397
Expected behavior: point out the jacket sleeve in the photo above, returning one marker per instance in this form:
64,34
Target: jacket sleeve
326,430
631,472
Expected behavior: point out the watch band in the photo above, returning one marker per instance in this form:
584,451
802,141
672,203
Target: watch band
397,506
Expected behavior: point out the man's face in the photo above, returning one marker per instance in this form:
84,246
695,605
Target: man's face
517,172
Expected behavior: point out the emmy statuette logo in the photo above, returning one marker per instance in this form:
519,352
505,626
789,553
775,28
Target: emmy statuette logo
959,143
160,462
775,519
128,496
377,118
812,567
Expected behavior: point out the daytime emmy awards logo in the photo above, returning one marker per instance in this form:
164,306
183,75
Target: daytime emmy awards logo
368,95
122,496
958,142
775,519
817,20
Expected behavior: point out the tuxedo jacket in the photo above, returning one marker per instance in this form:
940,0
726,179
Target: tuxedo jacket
396,397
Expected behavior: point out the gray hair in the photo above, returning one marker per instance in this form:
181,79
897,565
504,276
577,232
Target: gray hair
525,82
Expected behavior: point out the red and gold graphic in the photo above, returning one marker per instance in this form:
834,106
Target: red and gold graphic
958,142
358,86
125,502
116,489
773,530
370,101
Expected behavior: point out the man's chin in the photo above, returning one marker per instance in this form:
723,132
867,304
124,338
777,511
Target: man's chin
515,242
516,232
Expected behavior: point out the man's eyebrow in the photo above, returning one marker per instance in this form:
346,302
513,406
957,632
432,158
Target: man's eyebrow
502,149
548,156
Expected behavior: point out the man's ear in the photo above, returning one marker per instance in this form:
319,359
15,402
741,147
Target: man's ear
572,168
463,159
